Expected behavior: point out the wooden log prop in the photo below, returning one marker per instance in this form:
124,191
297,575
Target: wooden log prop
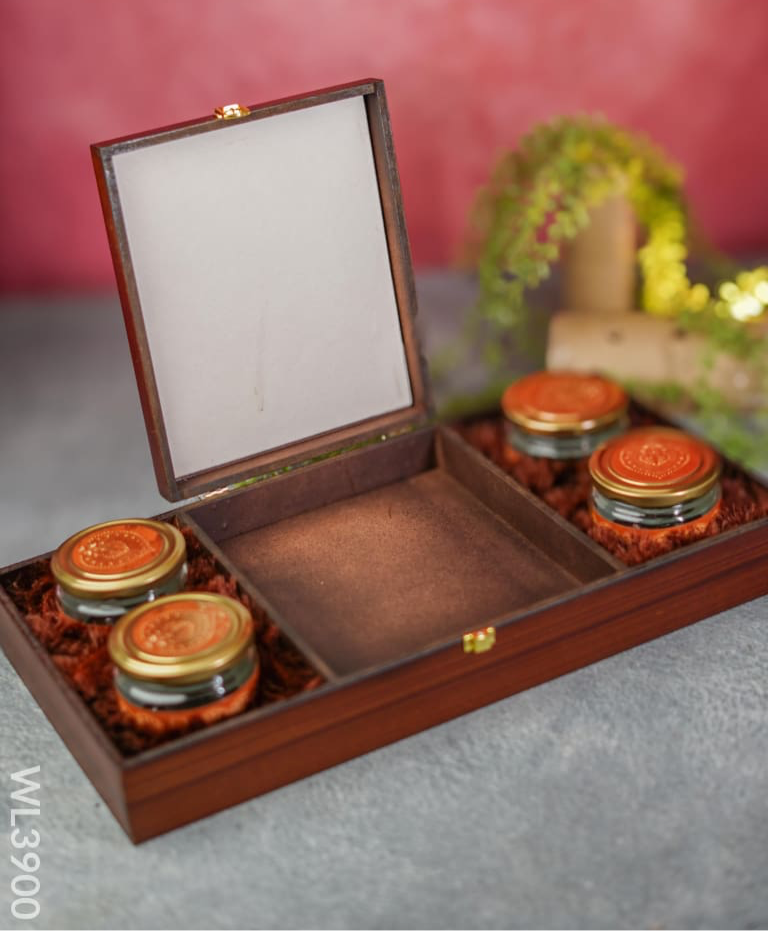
601,331
639,347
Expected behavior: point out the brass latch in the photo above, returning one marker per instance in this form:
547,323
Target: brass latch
479,641
230,111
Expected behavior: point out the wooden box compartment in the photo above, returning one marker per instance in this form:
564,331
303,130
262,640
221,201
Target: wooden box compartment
398,548
292,395
565,488
376,565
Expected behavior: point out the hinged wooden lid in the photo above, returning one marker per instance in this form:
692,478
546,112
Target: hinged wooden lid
266,282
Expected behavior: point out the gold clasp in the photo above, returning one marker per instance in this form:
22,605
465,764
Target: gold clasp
479,641
230,111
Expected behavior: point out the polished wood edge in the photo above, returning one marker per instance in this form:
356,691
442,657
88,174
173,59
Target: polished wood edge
97,756
705,582
209,770
350,721
396,229
134,325
175,487
360,470
225,479
257,111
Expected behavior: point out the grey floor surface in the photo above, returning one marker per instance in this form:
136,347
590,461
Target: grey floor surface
633,793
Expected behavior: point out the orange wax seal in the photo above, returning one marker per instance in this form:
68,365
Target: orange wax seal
119,548
181,628
654,467
564,402
181,638
119,558
184,659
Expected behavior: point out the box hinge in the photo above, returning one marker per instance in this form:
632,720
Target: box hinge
292,467
230,111
479,641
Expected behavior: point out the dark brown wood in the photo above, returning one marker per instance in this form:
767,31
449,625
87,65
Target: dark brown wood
265,748
209,123
315,486
340,722
135,329
573,550
304,454
173,486
397,238
79,730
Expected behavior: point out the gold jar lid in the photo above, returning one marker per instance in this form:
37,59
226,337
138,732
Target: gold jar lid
118,559
654,467
564,402
181,639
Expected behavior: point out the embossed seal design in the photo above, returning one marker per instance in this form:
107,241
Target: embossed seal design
181,629
656,460
563,400
654,467
570,394
119,548
181,638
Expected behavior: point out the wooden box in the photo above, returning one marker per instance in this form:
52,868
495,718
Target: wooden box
266,282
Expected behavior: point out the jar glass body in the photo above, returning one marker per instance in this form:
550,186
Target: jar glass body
160,707
109,610
623,514
561,445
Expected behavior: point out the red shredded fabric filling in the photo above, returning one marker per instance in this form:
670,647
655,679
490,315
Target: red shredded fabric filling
565,486
80,652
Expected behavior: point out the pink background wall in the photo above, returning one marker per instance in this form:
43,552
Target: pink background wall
465,78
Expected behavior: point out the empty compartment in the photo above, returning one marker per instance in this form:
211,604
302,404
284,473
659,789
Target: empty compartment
378,555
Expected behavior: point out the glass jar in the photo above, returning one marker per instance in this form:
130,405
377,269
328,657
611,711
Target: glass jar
562,415
655,479
184,660
106,570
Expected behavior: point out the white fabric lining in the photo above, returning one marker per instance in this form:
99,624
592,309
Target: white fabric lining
263,274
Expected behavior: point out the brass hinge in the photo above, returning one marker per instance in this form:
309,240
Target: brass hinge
273,473
230,111
479,641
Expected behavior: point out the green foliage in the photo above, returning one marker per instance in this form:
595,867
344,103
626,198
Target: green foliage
742,435
540,197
